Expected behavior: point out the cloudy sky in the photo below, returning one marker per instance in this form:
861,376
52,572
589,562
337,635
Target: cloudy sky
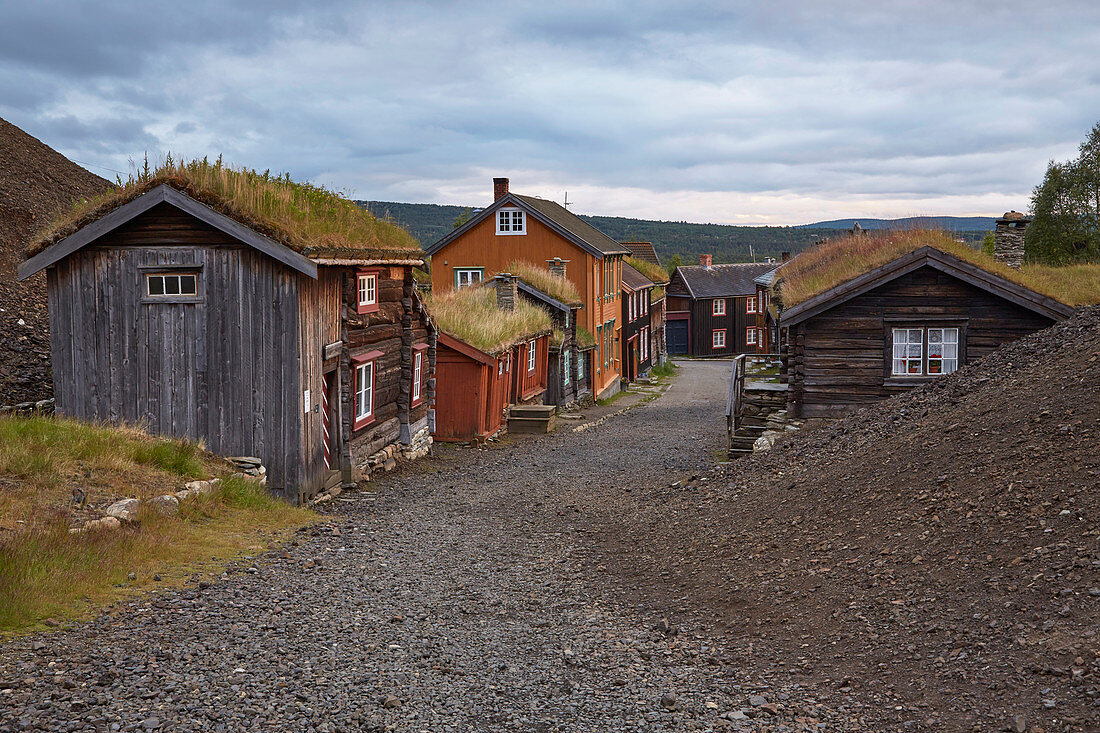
732,112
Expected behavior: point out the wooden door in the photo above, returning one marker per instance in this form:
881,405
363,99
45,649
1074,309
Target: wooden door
330,429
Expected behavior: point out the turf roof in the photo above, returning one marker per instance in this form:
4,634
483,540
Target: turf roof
541,278
836,261
471,314
654,272
309,219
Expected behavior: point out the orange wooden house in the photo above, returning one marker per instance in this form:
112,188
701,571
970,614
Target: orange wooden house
525,228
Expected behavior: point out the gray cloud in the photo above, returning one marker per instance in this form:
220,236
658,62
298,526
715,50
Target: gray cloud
700,110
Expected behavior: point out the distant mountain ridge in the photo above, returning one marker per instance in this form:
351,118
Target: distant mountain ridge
950,223
727,243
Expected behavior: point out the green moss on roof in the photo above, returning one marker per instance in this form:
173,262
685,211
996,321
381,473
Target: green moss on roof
585,339
839,260
541,278
309,219
656,273
471,315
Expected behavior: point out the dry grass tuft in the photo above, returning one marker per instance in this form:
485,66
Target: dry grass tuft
585,339
542,279
472,315
656,273
310,219
47,572
841,259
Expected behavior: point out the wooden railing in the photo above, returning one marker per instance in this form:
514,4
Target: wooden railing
743,365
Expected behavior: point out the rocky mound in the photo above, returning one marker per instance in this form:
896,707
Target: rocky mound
35,182
933,559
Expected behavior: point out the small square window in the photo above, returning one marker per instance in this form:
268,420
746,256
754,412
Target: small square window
750,305
718,338
511,221
367,292
467,276
171,284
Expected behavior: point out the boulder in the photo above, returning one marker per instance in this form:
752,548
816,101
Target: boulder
125,510
107,524
166,505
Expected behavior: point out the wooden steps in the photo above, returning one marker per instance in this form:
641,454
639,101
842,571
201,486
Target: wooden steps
531,418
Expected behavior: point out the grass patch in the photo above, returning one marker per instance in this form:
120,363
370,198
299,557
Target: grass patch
542,279
665,370
841,259
585,339
308,218
613,398
472,315
47,572
656,273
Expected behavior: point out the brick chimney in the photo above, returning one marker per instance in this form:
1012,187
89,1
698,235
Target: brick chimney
706,260
785,257
1008,238
500,188
507,291
557,266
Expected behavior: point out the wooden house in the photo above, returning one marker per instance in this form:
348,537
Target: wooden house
920,315
563,385
644,251
637,334
175,304
712,308
525,228
481,371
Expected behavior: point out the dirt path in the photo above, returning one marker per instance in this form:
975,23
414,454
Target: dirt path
465,599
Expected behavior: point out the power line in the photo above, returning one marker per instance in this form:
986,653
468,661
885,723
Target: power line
97,166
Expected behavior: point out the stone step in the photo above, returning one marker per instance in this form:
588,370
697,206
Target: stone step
535,411
530,424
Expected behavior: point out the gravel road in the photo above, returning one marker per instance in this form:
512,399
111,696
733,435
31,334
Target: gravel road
464,598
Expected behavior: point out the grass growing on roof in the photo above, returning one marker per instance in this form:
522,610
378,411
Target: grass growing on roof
839,260
471,315
585,339
656,273
47,572
542,279
308,218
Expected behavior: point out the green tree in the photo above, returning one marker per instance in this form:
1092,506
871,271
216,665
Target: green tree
1066,208
462,218
673,262
988,243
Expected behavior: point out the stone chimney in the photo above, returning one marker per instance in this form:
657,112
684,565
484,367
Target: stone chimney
500,188
706,260
785,257
1008,238
557,266
507,291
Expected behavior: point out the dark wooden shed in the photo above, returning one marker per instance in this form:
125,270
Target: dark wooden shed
922,315
171,308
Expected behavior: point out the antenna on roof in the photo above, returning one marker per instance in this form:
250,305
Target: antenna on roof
567,201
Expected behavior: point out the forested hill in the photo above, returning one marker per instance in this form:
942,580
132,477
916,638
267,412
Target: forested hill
429,222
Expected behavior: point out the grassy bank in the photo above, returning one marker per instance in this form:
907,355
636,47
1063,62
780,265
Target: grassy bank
47,572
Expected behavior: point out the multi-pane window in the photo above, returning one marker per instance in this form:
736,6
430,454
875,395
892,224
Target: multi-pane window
167,284
719,307
908,351
364,391
750,336
531,355
418,373
718,338
580,365
750,305
511,221
943,350
467,276
368,291
565,367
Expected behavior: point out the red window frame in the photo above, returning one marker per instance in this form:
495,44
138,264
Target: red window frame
714,307
725,341
750,305
417,392
357,361
368,307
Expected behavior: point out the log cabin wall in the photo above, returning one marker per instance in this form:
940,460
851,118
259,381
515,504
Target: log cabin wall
222,368
704,323
319,313
837,360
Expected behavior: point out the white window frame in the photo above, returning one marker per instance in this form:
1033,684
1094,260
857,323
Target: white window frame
511,221
718,338
750,336
750,305
531,355
364,387
907,352
460,271
566,366
368,289
718,307
418,371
